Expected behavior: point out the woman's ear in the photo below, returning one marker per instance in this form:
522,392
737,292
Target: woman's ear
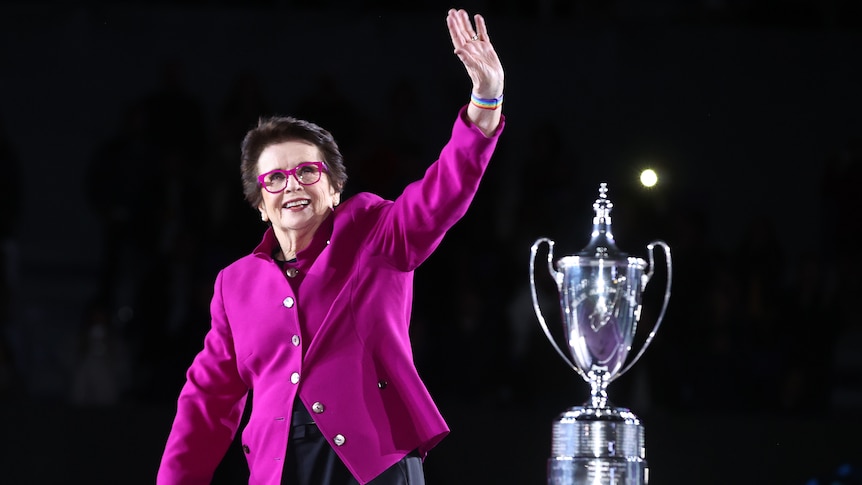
262,209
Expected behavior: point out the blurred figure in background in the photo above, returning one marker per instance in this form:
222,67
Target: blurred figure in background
10,200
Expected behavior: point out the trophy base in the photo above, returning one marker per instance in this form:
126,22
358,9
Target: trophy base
594,471
598,446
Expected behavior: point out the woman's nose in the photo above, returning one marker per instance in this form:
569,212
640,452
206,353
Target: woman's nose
292,183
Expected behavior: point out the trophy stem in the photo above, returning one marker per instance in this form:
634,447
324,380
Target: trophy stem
598,389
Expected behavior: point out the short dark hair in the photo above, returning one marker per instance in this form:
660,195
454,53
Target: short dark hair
279,129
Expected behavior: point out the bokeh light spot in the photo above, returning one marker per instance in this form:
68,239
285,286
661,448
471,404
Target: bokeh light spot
649,178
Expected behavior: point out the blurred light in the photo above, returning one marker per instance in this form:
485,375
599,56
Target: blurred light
649,178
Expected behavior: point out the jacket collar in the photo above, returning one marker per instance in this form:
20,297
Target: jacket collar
269,243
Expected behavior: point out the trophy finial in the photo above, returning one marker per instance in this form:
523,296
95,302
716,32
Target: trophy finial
603,207
602,238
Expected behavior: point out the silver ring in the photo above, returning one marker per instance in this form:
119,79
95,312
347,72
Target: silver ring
475,37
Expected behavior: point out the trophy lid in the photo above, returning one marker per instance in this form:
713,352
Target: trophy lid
602,243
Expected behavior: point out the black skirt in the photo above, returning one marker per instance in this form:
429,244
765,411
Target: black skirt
311,460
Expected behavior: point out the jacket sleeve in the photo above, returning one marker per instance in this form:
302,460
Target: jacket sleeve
209,407
418,219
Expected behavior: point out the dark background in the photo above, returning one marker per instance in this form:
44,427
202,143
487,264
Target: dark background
119,137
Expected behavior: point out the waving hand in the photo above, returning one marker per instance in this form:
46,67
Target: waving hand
473,47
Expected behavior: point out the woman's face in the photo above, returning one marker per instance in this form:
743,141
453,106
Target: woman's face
298,208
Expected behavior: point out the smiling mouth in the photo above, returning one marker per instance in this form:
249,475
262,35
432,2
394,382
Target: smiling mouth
297,203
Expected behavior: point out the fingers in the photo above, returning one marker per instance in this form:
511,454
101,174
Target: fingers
467,26
481,28
454,30
461,29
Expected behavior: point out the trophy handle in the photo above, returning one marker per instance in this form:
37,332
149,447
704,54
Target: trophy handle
555,274
645,280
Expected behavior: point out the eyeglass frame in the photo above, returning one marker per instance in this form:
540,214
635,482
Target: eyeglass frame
321,167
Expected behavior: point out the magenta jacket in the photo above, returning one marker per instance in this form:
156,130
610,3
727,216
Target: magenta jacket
355,373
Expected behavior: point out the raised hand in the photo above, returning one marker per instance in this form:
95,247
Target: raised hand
473,46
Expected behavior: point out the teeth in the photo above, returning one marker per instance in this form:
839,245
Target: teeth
296,203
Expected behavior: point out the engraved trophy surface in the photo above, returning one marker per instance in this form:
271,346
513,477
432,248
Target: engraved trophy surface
600,291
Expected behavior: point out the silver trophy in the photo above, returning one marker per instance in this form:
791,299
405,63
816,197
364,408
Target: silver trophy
600,291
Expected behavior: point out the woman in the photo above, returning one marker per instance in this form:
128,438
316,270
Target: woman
315,320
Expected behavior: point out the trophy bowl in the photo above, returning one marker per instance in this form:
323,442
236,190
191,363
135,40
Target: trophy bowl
600,293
